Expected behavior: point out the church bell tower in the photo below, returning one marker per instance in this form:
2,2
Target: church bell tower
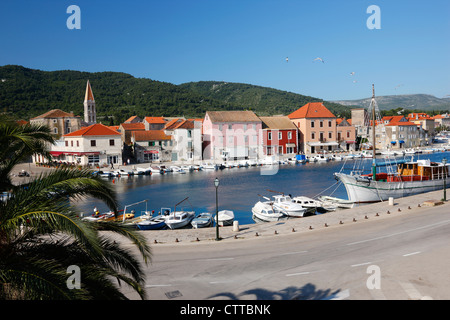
90,115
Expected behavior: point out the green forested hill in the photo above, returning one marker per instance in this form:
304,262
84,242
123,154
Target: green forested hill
26,93
264,101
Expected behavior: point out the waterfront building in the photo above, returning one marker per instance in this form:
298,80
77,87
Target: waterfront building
346,134
399,133
95,145
126,130
316,128
151,145
187,139
154,123
229,135
426,122
59,122
442,120
279,136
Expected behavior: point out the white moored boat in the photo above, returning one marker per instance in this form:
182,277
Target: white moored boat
179,219
265,211
288,207
226,217
313,205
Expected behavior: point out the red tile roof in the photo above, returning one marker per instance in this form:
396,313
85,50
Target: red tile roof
133,126
130,119
155,120
179,124
312,110
97,129
401,123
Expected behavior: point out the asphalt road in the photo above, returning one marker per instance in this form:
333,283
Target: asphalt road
402,257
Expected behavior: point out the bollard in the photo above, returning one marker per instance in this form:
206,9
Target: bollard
391,201
236,225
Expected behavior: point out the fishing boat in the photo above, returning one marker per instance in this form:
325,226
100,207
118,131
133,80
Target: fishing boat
267,212
401,180
203,220
226,218
153,223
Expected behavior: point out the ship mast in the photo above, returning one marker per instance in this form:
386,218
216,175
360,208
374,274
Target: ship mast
374,168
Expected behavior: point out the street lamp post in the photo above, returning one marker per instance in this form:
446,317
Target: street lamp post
444,161
216,184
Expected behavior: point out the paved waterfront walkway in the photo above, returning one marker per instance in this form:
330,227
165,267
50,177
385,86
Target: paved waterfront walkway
403,206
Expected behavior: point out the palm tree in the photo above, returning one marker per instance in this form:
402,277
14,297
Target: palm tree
41,234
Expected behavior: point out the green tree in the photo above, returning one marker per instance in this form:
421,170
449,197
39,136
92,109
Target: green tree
41,234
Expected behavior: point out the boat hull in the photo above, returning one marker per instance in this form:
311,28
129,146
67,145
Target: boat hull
267,217
367,190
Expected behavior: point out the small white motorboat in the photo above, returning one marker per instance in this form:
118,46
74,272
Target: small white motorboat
320,158
139,171
289,207
337,157
340,203
126,172
226,217
186,168
104,174
209,166
156,169
314,205
265,211
179,219
203,220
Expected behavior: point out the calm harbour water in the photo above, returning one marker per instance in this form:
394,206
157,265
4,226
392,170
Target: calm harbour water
238,190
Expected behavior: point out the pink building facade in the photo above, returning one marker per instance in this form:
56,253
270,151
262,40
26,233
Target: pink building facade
231,135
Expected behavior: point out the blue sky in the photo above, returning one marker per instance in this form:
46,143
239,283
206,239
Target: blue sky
245,41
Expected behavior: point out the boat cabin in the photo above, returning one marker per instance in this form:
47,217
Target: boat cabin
282,198
422,170
419,170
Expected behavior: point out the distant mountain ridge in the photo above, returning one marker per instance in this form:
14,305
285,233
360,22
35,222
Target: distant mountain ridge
409,101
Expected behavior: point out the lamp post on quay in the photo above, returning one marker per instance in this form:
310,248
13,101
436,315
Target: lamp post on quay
444,161
216,184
